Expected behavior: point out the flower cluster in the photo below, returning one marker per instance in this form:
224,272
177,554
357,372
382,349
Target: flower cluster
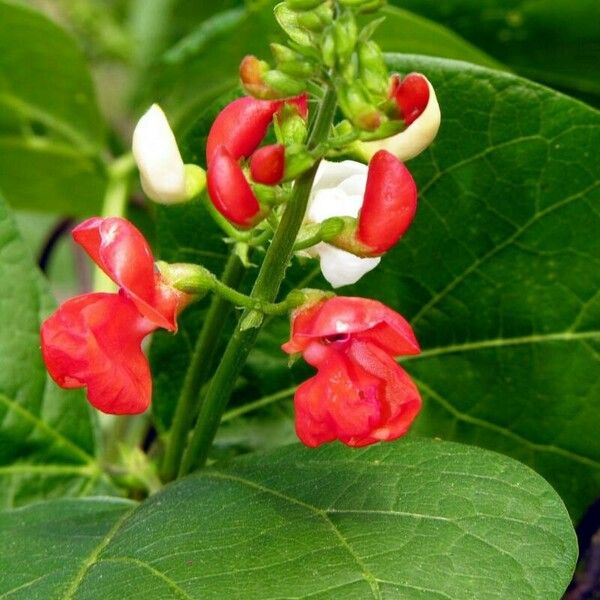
94,340
352,212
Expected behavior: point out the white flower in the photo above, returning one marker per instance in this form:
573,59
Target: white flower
338,191
414,139
156,153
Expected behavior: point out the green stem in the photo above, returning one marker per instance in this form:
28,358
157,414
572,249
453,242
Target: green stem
265,288
198,371
195,279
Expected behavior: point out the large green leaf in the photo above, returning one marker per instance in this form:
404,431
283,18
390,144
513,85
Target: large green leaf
51,132
554,41
412,520
47,441
205,63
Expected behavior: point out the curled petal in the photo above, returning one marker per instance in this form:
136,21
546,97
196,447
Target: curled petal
359,398
362,318
411,95
390,203
267,164
229,191
122,252
94,341
421,131
157,156
241,126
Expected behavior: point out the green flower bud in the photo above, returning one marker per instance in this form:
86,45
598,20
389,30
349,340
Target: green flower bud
288,21
345,34
372,69
297,161
356,105
328,48
282,84
291,62
291,127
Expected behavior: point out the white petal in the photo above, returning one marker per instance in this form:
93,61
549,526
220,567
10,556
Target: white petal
415,138
332,203
330,174
342,268
157,156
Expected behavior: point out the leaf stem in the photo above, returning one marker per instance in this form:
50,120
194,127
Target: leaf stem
265,288
198,370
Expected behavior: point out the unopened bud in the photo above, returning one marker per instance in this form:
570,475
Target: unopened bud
328,48
288,20
297,161
291,62
252,76
187,278
163,175
344,34
316,20
372,69
282,85
291,125
356,105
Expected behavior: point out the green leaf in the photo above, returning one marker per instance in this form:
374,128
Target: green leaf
47,441
205,63
553,41
411,520
51,131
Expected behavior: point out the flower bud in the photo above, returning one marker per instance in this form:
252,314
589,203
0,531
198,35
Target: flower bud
291,62
316,20
157,155
252,76
356,105
288,20
291,124
344,34
267,164
372,69
281,85
229,191
419,108
297,161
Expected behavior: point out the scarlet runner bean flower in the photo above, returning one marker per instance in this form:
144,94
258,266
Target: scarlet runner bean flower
381,201
235,134
360,395
93,340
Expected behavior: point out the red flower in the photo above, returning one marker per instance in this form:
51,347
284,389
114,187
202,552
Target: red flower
94,340
359,395
235,134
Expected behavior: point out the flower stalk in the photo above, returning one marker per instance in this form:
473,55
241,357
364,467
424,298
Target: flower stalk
265,288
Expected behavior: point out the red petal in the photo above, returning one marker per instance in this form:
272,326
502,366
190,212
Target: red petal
122,252
401,401
334,405
390,203
229,191
94,340
267,164
411,95
361,317
241,127
301,104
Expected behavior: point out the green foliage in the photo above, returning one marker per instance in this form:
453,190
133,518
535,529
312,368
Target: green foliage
417,519
553,41
51,131
47,437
